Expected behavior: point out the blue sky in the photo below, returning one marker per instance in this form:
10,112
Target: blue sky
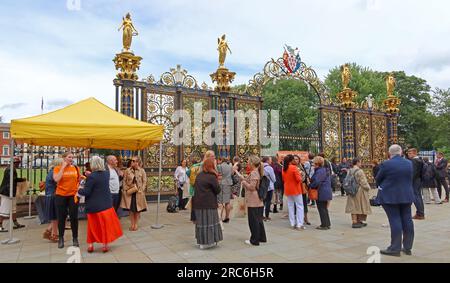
64,55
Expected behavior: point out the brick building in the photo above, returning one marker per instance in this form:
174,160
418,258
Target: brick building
5,150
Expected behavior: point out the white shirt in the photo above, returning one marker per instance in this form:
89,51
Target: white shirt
180,175
114,184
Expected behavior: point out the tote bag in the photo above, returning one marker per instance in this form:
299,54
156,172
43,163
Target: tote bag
238,206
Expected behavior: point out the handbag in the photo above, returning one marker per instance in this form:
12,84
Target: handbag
238,206
133,189
313,194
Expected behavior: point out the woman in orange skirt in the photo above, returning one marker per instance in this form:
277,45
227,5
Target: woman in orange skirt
103,224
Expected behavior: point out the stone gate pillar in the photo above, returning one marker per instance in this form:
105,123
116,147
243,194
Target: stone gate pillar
346,97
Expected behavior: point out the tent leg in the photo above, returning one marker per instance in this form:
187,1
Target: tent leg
157,225
31,186
11,240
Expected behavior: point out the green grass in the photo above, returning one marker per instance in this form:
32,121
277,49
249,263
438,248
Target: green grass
24,173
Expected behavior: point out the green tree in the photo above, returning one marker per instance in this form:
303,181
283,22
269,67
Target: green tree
441,127
414,119
298,108
364,81
238,88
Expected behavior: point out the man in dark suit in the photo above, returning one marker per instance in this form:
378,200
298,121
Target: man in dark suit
417,183
395,179
441,168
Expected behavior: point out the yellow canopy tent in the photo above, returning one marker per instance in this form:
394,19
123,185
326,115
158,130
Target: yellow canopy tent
89,124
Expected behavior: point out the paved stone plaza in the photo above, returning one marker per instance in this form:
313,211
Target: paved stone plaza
175,241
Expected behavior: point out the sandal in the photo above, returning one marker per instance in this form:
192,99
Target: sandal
47,234
54,238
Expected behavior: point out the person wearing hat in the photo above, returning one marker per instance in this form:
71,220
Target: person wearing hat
6,203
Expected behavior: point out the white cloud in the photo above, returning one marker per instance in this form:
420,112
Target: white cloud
62,54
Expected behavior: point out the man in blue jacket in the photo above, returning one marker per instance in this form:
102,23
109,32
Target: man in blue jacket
396,196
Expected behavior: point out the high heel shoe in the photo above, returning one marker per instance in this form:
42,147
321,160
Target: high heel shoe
61,243
105,249
90,249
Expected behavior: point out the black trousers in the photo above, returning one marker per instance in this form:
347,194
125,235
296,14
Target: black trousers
305,203
442,182
64,206
181,201
323,213
116,198
256,224
268,203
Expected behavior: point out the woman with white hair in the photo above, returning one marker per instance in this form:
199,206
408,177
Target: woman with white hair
103,223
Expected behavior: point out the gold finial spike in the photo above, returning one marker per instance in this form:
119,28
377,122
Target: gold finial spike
390,84
222,47
128,32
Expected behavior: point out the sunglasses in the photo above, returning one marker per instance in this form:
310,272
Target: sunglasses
132,160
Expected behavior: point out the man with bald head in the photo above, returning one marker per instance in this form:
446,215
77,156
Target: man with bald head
115,175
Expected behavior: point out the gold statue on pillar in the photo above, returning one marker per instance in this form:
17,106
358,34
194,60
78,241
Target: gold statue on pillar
390,84
222,48
128,32
345,75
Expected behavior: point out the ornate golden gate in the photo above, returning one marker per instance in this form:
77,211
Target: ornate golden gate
345,129
155,101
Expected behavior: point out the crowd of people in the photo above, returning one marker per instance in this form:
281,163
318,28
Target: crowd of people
103,187
219,182
208,187
313,183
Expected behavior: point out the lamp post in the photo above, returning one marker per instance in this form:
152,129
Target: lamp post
157,225
31,188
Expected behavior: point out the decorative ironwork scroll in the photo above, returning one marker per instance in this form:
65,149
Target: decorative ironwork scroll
167,184
275,70
179,77
245,150
193,151
160,108
331,133
363,138
379,137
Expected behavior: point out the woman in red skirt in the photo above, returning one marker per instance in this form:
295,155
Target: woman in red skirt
103,223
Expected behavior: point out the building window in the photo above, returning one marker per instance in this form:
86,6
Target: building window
5,150
5,135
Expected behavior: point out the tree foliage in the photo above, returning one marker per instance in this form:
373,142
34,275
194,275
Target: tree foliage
364,81
441,109
423,122
297,103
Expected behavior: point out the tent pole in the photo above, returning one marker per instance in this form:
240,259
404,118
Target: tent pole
31,184
11,240
157,225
